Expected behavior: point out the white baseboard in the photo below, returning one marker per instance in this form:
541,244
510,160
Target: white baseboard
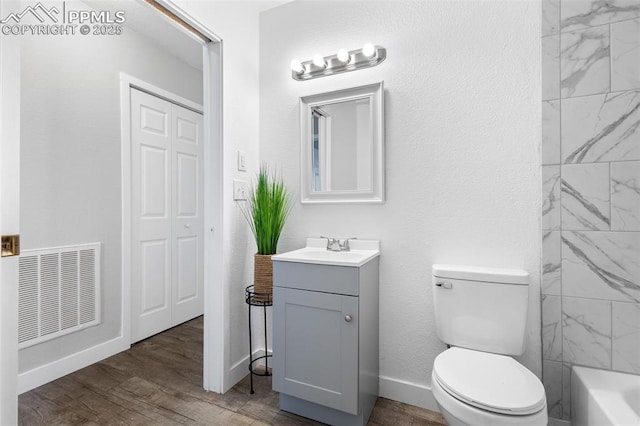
240,369
407,392
54,370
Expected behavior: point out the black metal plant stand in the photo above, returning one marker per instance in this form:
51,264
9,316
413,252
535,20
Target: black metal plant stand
258,299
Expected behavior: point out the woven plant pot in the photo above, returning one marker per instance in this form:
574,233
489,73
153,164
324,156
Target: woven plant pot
263,275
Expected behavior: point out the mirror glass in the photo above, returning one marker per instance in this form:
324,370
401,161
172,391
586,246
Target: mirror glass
341,142
342,156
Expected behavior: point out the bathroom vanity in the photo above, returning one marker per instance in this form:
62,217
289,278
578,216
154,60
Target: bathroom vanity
325,331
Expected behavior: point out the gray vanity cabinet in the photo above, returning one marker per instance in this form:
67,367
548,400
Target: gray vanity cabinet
325,340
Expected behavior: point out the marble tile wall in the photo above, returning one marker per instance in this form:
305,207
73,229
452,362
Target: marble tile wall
590,191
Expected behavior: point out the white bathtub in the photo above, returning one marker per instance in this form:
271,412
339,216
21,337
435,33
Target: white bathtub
602,398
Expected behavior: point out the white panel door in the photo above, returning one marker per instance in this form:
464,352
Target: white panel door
151,215
167,214
187,200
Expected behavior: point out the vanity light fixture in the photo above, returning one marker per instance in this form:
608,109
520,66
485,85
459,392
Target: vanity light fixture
368,56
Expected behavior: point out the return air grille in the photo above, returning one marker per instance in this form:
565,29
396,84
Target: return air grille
58,292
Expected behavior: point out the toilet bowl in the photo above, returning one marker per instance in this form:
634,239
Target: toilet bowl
478,388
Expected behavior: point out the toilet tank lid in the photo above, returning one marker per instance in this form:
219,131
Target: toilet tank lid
481,273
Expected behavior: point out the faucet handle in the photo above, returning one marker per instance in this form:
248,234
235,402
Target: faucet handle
345,244
330,241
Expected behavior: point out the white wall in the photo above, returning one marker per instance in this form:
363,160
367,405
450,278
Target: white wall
462,93
71,175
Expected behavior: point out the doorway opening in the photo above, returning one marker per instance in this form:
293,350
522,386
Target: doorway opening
73,169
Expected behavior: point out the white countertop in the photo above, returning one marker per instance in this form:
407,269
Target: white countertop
361,252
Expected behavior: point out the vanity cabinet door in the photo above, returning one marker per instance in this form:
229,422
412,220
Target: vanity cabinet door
315,345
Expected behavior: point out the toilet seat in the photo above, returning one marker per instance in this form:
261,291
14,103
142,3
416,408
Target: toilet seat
492,382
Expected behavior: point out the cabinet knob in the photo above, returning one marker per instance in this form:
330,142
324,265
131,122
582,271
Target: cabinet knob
348,318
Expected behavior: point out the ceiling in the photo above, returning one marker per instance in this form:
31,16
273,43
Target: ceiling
145,20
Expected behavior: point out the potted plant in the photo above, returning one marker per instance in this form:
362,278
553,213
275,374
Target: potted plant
267,207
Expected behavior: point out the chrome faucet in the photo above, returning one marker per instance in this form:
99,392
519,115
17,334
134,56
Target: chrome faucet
334,244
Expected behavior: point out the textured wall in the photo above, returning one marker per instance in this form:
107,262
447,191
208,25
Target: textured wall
462,124
591,191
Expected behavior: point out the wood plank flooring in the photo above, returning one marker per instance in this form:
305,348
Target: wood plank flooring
159,382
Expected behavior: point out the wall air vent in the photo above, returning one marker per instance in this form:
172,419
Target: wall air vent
58,292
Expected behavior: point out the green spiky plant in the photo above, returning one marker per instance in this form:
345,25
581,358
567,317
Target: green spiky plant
268,205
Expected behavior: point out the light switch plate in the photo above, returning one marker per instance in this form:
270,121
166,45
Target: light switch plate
242,161
240,190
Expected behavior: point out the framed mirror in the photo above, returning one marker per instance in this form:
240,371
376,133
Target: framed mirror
341,146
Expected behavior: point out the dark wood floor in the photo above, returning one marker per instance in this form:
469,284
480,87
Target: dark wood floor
159,382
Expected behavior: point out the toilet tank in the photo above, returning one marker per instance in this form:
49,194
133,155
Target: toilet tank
481,308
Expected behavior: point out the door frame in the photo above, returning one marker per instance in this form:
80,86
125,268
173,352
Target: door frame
215,317
9,216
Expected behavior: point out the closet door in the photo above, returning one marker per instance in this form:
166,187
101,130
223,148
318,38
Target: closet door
187,232
151,215
167,208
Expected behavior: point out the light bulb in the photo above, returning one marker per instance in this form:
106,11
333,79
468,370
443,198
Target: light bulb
297,67
368,50
343,56
318,61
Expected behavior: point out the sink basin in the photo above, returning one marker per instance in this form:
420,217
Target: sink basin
361,252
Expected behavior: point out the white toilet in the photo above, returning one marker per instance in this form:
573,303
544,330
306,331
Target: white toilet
482,313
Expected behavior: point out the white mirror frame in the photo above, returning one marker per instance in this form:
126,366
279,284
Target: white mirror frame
375,93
